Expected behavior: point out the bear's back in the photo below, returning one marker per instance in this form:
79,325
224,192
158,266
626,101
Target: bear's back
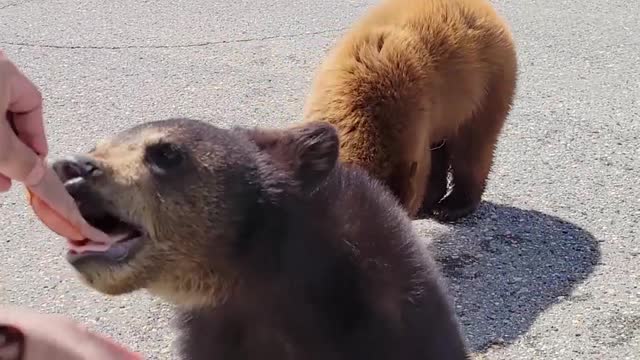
353,282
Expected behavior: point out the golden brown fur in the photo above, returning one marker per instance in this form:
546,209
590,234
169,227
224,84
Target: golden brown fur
414,75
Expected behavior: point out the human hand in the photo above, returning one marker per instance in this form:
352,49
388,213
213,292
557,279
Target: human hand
22,137
23,147
53,337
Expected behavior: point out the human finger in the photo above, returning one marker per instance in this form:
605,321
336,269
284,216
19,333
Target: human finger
52,337
10,351
57,210
56,337
25,103
31,131
5,183
21,96
17,160
100,347
11,343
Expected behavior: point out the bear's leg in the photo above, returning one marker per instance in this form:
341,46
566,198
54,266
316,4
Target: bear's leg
436,186
472,151
408,180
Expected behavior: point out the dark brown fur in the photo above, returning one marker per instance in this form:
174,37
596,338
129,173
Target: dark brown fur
414,75
270,248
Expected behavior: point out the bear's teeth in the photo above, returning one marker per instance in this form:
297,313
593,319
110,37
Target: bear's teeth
118,237
88,246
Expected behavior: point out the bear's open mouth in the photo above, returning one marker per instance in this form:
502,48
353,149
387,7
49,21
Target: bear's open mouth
125,238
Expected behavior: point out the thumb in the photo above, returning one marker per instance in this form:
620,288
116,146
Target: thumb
51,190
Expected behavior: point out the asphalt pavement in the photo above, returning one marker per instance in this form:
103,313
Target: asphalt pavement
548,268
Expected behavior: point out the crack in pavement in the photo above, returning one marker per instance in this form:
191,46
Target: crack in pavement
9,5
16,4
181,46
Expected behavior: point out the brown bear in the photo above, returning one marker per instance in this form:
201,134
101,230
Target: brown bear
269,247
417,87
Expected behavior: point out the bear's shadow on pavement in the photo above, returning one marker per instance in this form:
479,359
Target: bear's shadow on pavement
506,265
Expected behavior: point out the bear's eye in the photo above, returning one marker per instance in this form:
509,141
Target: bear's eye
162,157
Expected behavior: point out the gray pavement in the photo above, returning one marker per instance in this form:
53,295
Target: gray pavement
549,268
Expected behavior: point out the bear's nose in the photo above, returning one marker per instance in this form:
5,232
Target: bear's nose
75,166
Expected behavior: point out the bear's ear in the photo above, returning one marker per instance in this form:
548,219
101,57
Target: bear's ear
315,148
309,151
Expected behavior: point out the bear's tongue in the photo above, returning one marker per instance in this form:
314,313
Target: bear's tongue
112,232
